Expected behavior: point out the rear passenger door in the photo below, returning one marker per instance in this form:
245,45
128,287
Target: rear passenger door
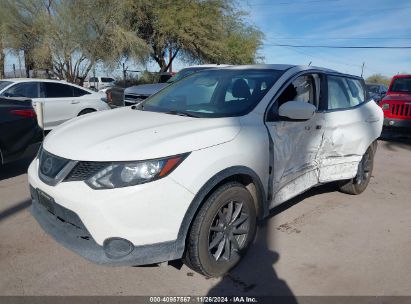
346,119
59,103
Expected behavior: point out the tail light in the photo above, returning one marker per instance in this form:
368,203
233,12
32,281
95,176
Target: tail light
109,97
24,113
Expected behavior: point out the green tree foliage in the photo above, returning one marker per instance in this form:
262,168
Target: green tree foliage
24,27
378,78
67,38
197,31
83,33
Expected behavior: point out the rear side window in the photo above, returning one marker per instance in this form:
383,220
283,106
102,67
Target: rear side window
57,90
93,79
27,89
107,79
4,84
77,92
344,93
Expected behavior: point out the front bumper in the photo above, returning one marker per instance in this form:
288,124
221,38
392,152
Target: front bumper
66,228
397,123
149,216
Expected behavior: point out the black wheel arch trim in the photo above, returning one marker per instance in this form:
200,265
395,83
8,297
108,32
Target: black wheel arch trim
201,195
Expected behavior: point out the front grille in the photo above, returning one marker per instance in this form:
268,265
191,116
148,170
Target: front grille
402,110
84,170
50,165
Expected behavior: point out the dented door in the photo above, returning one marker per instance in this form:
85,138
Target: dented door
296,143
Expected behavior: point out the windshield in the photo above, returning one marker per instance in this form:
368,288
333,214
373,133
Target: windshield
183,73
214,93
4,84
372,88
401,85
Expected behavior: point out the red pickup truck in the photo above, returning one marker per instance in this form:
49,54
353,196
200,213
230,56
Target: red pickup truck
396,105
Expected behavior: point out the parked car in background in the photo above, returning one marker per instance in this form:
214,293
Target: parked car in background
62,100
376,91
187,173
396,105
99,83
20,135
136,94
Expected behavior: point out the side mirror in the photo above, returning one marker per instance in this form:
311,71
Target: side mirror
297,110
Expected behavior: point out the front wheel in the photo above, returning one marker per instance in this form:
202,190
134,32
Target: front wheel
360,182
222,230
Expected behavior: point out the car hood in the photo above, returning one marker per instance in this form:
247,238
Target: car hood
127,134
145,89
397,97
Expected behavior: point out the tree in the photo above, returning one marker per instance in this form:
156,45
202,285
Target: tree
68,37
83,33
199,31
24,27
378,78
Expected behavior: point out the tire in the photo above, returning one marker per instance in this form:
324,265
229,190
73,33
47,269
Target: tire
86,111
222,231
359,183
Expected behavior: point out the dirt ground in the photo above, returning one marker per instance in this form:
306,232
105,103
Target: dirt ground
321,243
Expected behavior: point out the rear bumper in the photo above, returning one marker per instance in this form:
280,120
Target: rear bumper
66,228
397,123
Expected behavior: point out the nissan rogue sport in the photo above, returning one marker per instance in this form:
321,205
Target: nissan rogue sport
187,173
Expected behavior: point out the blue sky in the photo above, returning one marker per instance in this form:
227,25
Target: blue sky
329,22
326,22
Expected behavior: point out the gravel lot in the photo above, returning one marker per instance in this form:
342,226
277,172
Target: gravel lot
321,243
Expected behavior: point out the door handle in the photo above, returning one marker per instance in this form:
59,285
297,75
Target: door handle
74,102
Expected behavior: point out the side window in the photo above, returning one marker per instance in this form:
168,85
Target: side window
344,93
77,92
27,89
107,79
93,79
57,90
300,89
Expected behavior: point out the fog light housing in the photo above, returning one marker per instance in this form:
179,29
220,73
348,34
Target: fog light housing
117,248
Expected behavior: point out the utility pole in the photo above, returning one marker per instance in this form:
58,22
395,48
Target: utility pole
362,68
94,77
124,74
14,70
170,63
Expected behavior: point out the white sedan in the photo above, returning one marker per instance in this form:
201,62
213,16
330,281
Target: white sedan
62,100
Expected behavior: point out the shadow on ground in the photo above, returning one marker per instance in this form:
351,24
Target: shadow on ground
394,139
14,169
255,275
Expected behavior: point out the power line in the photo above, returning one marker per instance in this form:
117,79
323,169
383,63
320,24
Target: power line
338,47
342,38
294,3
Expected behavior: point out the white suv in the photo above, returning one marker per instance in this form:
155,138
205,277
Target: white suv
187,173
62,100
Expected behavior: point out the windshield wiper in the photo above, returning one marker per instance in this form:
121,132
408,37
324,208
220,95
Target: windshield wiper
180,113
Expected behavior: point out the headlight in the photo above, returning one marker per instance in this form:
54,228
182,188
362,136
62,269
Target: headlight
124,174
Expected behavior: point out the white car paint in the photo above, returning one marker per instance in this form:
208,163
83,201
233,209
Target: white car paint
288,157
60,109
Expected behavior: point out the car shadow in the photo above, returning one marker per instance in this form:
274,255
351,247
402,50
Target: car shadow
393,140
256,275
14,169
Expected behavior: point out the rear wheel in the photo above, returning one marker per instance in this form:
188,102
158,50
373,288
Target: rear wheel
360,182
221,231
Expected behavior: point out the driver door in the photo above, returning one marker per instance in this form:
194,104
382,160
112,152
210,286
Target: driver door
295,143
